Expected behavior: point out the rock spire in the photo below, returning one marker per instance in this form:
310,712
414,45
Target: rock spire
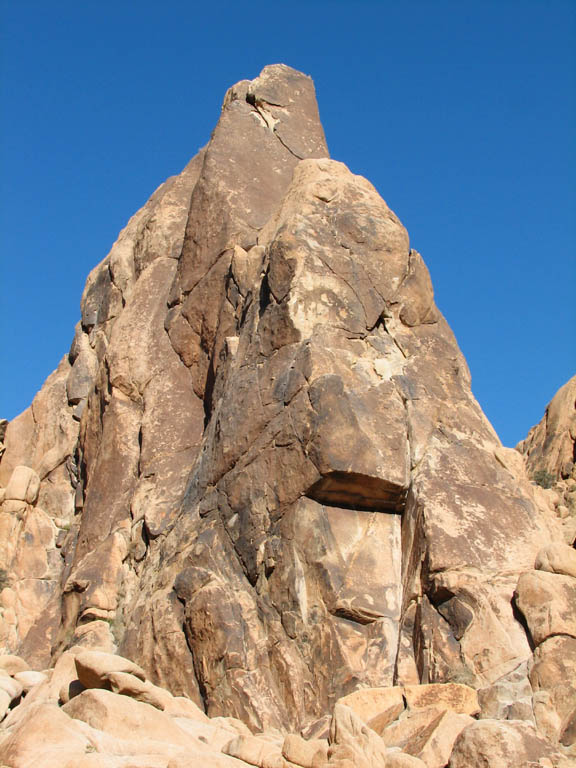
260,472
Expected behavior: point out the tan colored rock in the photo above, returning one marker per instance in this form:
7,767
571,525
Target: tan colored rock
549,446
12,664
124,717
215,734
509,698
106,743
12,687
129,685
553,679
180,706
93,668
377,707
434,745
557,558
454,697
57,679
231,723
352,743
428,734
30,679
23,485
402,760
501,744
69,690
45,737
95,635
547,601
96,760
5,701
210,761
255,751
304,753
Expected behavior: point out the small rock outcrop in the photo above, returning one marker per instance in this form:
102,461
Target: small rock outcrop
550,446
256,515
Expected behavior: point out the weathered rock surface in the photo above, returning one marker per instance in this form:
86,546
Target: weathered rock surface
547,601
500,744
550,445
261,477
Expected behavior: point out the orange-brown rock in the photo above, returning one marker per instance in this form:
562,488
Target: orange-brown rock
553,679
94,668
460,699
304,753
428,734
557,558
547,601
352,743
504,744
261,476
550,445
377,707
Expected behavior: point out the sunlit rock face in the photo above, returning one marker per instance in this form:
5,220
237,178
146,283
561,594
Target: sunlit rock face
550,446
262,473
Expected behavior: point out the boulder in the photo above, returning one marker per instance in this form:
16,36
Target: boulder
10,664
23,485
183,707
255,751
377,707
12,687
124,717
30,679
502,744
94,666
304,753
553,679
352,743
395,759
428,734
128,684
557,558
45,737
547,601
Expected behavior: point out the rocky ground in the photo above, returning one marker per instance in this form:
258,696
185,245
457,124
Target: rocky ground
98,710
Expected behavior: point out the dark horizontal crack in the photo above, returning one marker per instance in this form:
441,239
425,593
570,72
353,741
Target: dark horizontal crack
352,490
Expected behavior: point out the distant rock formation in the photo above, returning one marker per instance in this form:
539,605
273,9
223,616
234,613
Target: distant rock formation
260,472
550,447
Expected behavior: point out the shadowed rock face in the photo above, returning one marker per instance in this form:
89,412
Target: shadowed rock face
264,477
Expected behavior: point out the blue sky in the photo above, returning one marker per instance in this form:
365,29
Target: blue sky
463,115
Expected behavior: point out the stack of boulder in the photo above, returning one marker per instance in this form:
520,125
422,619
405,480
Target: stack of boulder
97,710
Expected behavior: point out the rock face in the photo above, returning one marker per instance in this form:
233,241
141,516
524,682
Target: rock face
550,446
260,473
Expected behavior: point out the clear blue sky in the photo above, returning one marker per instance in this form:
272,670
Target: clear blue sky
463,114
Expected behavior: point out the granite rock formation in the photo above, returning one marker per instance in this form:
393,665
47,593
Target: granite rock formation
550,446
261,475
